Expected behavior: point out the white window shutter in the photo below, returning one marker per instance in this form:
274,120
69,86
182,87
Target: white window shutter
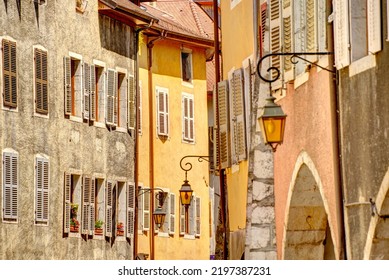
182,220
92,93
300,33
166,209
275,34
374,25
146,211
115,100
163,112
198,216
139,106
86,91
185,115
86,204
341,33
10,184
130,209
192,216
110,97
92,209
131,117
172,221
191,120
322,26
102,89
67,85
42,190
108,209
222,103
67,194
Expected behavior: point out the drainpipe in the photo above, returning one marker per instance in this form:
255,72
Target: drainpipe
150,46
136,144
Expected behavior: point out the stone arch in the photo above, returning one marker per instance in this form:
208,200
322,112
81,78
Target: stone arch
377,241
308,233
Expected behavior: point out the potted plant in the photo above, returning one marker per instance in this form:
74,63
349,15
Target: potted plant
99,227
120,229
74,225
74,209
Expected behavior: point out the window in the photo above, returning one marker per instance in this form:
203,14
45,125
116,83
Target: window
162,111
10,186
41,82
188,127
73,86
130,197
99,218
186,66
89,92
100,94
72,200
121,210
169,208
10,84
122,101
132,99
190,225
110,208
42,183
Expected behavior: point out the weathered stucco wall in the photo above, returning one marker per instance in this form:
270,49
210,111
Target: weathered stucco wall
69,144
364,104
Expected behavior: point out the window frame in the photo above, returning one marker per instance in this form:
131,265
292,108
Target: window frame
189,60
73,88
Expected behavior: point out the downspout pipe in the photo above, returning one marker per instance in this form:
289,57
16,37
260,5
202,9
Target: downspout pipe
150,46
136,144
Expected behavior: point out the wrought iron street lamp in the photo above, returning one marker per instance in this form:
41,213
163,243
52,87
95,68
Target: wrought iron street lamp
272,120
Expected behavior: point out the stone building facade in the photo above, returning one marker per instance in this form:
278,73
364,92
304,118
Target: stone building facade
66,131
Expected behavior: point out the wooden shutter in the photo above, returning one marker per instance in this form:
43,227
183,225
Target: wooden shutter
10,183
9,74
131,117
300,33
374,25
140,211
111,89
146,211
41,83
182,220
92,93
275,33
42,190
130,209
341,33
115,100
86,189
172,217
67,201
108,209
92,209
215,132
223,119
102,89
262,28
192,216
86,91
163,112
198,216
237,120
67,85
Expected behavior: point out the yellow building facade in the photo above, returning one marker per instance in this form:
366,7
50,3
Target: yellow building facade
173,123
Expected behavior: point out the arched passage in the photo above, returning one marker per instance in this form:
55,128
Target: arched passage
377,243
307,234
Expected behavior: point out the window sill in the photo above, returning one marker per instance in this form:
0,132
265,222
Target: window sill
191,142
99,124
163,234
98,237
121,129
43,116
361,65
301,79
76,119
10,109
188,236
187,84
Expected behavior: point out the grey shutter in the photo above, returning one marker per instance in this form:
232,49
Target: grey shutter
86,91
67,85
108,209
115,100
42,190
92,208
67,194
198,216
374,25
131,117
110,97
10,183
341,33
216,138
92,93
130,209
146,211
86,204
182,220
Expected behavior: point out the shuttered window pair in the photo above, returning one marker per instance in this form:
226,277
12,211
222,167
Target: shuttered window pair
169,208
162,111
192,226
229,108
188,123
358,22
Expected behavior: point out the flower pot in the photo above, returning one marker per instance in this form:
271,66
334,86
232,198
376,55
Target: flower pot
74,228
119,232
98,231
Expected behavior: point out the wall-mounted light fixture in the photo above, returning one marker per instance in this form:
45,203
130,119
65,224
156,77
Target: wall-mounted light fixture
186,190
158,215
272,120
